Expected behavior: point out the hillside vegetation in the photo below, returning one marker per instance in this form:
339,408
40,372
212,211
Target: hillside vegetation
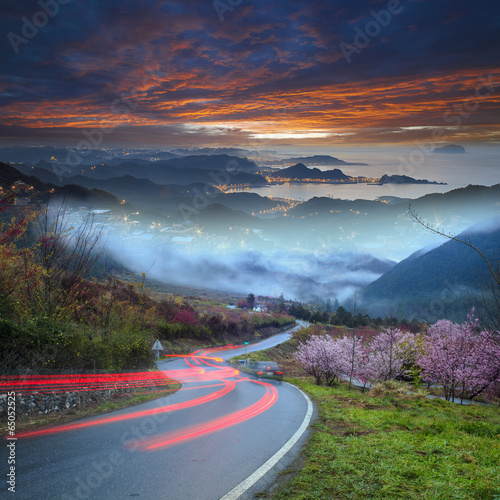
438,283
389,441
54,316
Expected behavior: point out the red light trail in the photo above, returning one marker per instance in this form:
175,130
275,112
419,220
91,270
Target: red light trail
192,356
215,425
228,386
82,382
195,373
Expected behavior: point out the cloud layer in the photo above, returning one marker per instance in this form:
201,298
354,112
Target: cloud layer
172,72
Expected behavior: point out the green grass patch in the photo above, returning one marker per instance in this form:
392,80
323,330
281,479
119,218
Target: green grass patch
252,356
396,445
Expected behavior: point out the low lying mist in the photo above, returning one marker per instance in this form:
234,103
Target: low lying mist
298,275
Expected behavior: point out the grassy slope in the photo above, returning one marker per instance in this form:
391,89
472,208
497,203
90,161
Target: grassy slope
391,445
397,446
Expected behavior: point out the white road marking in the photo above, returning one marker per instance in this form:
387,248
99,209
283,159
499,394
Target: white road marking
236,492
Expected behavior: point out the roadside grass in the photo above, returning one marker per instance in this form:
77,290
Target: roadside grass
117,402
252,356
396,445
388,444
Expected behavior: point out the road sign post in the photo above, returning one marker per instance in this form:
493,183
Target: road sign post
157,348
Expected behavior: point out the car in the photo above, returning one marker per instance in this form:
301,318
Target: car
266,369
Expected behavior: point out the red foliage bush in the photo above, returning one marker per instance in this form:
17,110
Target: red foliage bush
186,316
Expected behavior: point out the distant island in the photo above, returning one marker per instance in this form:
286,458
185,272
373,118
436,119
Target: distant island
302,173
317,160
450,149
404,179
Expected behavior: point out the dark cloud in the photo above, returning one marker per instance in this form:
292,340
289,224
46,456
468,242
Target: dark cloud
180,63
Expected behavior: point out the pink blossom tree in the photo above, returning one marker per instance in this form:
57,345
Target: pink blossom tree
389,356
353,358
320,357
462,360
383,358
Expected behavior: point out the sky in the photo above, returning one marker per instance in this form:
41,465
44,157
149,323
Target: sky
249,72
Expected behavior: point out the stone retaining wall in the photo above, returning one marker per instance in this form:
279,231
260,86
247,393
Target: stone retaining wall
41,404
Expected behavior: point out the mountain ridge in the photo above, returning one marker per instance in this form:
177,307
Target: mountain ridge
318,160
435,282
301,171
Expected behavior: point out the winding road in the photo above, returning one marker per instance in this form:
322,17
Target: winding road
223,435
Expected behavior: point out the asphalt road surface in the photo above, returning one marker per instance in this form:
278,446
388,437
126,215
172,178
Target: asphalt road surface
224,435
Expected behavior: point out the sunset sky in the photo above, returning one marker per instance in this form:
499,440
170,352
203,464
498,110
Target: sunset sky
250,72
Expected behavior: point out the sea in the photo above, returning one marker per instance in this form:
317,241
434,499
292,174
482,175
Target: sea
479,165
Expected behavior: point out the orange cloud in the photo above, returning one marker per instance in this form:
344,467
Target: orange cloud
342,110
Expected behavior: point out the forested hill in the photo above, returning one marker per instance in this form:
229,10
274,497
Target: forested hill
436,283
70,192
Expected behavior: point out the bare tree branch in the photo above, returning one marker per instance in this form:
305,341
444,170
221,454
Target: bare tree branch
467,242
66,255
490,301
